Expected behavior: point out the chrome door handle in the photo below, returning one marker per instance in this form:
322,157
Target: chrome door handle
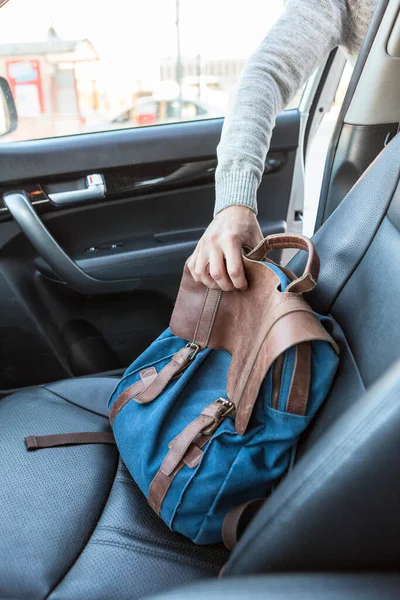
95,190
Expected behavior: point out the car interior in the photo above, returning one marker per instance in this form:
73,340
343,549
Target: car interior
86,286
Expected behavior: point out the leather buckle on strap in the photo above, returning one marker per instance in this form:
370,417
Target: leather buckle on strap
228,406
221,409
188,360
193,355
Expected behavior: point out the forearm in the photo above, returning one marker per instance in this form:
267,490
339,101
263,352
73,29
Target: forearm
304,35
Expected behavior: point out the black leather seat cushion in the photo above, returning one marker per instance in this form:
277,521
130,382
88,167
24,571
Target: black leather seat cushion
72,522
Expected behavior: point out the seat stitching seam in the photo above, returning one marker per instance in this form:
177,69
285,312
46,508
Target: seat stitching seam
148,551
139,538
124,480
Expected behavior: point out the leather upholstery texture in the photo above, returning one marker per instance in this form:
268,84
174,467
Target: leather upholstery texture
50,499
73,524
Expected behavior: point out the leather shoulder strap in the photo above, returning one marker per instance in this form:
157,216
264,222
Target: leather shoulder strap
291,323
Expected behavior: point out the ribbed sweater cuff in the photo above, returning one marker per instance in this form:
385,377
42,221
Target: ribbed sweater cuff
237,188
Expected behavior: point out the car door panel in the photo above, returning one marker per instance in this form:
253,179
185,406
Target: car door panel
159,201
52,157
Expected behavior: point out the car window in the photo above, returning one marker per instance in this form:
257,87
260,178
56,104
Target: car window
84,66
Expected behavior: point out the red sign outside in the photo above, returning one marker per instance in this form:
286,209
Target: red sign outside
25,80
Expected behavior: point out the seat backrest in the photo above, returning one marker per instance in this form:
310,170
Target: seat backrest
359,283
338,508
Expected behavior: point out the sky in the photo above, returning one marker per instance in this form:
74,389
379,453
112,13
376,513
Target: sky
131,36
145,29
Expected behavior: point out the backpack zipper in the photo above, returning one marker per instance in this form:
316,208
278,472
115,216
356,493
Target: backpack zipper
277,381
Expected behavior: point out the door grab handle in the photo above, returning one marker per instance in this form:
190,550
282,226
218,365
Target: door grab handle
19,205
95,190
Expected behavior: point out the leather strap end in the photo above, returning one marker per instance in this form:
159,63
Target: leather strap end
31,443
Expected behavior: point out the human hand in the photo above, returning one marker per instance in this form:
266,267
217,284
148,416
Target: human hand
217,261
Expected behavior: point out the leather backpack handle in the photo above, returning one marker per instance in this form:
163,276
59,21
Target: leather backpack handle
280,241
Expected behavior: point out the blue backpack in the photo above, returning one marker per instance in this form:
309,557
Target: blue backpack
206,418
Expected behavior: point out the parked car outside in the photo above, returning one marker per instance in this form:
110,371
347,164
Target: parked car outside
151,111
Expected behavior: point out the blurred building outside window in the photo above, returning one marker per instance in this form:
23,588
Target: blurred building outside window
81,67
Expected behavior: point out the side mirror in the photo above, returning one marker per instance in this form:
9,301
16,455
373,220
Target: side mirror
8,110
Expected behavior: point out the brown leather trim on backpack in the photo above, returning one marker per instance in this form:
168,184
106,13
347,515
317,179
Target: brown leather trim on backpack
279,241
161,482
182,358
254,326
296,324
179,362
300,386
207,316
239,517
36,442
150,388
207,423
289,274
233,521
147,376
198,312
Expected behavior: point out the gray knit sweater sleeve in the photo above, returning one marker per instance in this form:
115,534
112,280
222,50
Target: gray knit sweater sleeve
304,35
